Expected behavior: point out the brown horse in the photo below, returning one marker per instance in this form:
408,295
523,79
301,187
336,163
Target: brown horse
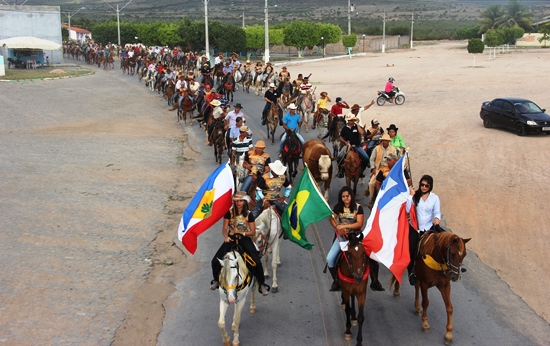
272,122
169,91
352,168
317,157
228,85
353,275
218,139
291,153
439,261
286,90
186,108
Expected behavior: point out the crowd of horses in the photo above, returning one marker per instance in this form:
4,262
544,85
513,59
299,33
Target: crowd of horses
439,260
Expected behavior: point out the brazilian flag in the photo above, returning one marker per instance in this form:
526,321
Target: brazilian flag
305,207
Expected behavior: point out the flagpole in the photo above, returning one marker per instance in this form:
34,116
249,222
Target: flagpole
409,164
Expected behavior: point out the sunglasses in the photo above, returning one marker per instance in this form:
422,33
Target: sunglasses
425,185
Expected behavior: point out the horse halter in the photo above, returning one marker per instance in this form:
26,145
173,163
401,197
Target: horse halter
447,267
350,267
243,281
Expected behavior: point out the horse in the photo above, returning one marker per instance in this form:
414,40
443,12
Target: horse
218,140
228,85
352,168
169,91
268,231
247,81
132,65
353,275
291,153
240,173
110,61
218,73
335,135
306,107
438,262
236,281
186,108
286,91
272,122
322,124
317,157
125,66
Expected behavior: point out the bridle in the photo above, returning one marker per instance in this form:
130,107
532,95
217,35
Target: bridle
351,280
241,281
447,267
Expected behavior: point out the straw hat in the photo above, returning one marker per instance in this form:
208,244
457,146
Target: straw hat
216,103
241,195
385,137
277,167
243,128
292,106
260,144
350,116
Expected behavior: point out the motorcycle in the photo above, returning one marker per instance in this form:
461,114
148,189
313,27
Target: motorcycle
17,63
383,97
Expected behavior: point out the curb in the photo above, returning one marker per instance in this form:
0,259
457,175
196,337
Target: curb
44,78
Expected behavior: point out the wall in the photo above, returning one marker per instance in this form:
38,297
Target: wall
38,21
531,40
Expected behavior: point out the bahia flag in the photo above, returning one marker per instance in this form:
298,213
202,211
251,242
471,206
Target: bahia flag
306,206
386,235
209,204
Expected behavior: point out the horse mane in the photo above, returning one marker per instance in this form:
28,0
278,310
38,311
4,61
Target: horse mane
443,239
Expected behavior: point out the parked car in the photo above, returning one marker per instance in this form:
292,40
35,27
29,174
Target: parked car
520,115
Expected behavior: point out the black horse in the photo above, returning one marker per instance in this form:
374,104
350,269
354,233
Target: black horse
291,153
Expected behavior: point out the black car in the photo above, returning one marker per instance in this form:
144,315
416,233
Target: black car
521,115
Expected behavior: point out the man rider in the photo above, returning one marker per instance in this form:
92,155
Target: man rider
336,112
291,122
269,189
378,163
351,136
271,97
257,162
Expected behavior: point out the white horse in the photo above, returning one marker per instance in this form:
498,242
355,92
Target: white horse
268,228
239,172
306,106
235,283
258,86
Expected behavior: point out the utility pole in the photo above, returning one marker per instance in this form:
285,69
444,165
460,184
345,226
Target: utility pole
69,14
207,43
243,19
412,23
349,18
266,52
384,34
118,16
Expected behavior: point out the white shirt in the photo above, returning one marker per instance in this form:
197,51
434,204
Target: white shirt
180,83
232,116
426,211
218,60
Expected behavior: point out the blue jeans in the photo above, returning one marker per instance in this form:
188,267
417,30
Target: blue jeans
332,255
362,154
258,208
246,183
300,138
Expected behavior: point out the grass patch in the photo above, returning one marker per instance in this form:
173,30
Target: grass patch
44,72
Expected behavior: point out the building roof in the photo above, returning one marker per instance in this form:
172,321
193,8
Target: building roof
76,29
544,21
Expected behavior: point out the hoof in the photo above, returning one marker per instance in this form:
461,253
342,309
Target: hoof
275,289
227,343
252,310
418,312
347,336
354,323
448,342
237,344
396,295
426,330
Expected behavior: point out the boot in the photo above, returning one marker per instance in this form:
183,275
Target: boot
263,119
335,285
375,284
214,285
340,172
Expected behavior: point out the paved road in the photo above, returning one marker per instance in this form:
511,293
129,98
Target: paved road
305,313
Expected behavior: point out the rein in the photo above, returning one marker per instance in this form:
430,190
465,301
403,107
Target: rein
447,267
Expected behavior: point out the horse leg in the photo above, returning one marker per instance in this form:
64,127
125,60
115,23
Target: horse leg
346,298
417,308
221,323
237,320
446,295
252,309
425,303
353,314
191,117
275,259
361,317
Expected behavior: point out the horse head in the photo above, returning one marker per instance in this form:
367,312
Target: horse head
456,251
233,276
356,257
444,252
275,112
325,167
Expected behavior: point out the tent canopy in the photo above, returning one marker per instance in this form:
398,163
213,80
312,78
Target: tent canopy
29,42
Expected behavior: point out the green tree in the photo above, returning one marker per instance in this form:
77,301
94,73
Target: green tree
255,39
493,17
147,33
510,34
475,46
349,40
301,34
545,35
467,33
167,34
276,37
518,15
492,38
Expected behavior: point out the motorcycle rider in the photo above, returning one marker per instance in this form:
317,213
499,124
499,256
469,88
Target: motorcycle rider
390,89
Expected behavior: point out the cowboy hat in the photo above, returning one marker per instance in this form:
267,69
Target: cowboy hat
375,122
243,128
240,195
238,105
392,127
216,103
350,116
272,85
260,144
323,93
277,167
292,106
385,137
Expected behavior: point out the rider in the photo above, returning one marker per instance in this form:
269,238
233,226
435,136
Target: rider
258,69
205,72
304,88
256,161
230,120
284,74
390,89
321,108
336,112
291,122
217,114
358,112
238,229
378,163
269,187
396,139
351,135
271,97
347,216
241,145
268,71
374,132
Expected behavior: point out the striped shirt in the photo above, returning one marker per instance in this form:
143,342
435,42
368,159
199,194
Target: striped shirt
242,147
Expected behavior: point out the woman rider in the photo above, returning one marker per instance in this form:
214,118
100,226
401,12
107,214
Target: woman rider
238,228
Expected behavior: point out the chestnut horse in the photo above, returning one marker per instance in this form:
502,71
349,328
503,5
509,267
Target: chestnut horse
317,157
186,108
353,275
352,168
439,261
272,122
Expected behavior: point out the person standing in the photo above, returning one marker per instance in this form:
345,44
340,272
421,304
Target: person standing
428,214
238,229
348,216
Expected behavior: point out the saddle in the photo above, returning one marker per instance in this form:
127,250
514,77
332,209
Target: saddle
292,149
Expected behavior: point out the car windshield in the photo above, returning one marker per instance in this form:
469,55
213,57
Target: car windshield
527,107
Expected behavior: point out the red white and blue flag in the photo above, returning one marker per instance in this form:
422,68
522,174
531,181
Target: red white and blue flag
386,235
209,205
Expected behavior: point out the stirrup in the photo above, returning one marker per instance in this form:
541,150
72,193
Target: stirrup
335,287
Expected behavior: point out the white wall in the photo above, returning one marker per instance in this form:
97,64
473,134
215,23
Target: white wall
38,21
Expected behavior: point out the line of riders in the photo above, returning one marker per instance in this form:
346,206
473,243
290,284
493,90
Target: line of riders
265,184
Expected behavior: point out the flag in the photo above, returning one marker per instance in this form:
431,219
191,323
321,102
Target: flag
306,206
386,235
209,204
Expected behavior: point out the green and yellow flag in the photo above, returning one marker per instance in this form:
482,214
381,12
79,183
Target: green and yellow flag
306,206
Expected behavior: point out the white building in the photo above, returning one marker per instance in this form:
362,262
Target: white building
36,21
78,34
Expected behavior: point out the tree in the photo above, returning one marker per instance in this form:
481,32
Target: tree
301,34
492,38
255,39
493,17
475,46
330,33
467,33
349,40
167,34
510,34
518,15
545,35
